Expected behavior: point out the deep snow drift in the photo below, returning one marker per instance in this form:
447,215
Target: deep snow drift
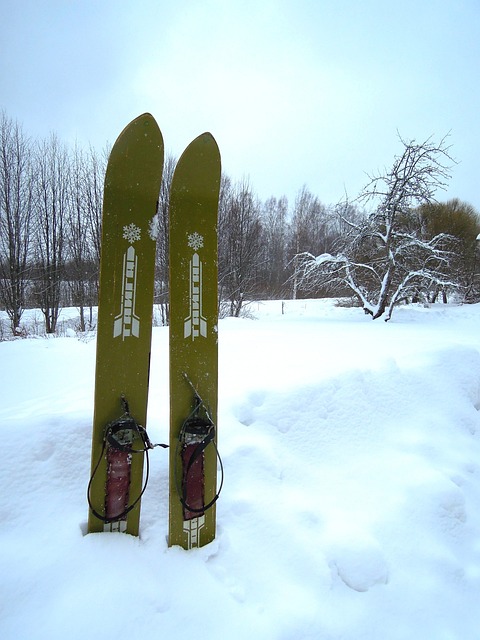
351,505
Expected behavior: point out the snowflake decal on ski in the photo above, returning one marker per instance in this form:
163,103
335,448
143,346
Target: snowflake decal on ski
195,241
131,233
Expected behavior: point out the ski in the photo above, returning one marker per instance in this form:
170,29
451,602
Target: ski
193,259
124,328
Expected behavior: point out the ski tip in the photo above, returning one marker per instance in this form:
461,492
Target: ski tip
147,117
204,143
207,138
144,120
147,120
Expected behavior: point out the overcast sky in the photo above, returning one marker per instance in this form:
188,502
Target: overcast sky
294,91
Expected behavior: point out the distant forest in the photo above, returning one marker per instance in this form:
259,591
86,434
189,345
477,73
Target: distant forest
50,229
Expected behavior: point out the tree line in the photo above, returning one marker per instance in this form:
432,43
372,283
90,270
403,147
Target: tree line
407,247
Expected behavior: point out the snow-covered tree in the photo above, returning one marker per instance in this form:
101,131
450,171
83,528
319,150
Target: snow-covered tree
383,258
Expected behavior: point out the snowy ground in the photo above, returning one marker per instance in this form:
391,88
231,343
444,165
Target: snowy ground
351,505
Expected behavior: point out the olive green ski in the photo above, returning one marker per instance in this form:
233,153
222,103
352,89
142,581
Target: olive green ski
194,344
132,186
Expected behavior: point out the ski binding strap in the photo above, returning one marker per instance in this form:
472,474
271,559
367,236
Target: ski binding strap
119,437
196,434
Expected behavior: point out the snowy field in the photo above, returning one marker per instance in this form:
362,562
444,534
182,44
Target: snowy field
351,504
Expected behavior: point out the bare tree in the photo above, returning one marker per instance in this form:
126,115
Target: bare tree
383,258
83,220
15,218
274,247
161,257
239,243
51,207
309,231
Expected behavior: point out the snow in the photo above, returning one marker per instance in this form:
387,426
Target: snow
351,504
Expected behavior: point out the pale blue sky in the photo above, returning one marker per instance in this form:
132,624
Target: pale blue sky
294,91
